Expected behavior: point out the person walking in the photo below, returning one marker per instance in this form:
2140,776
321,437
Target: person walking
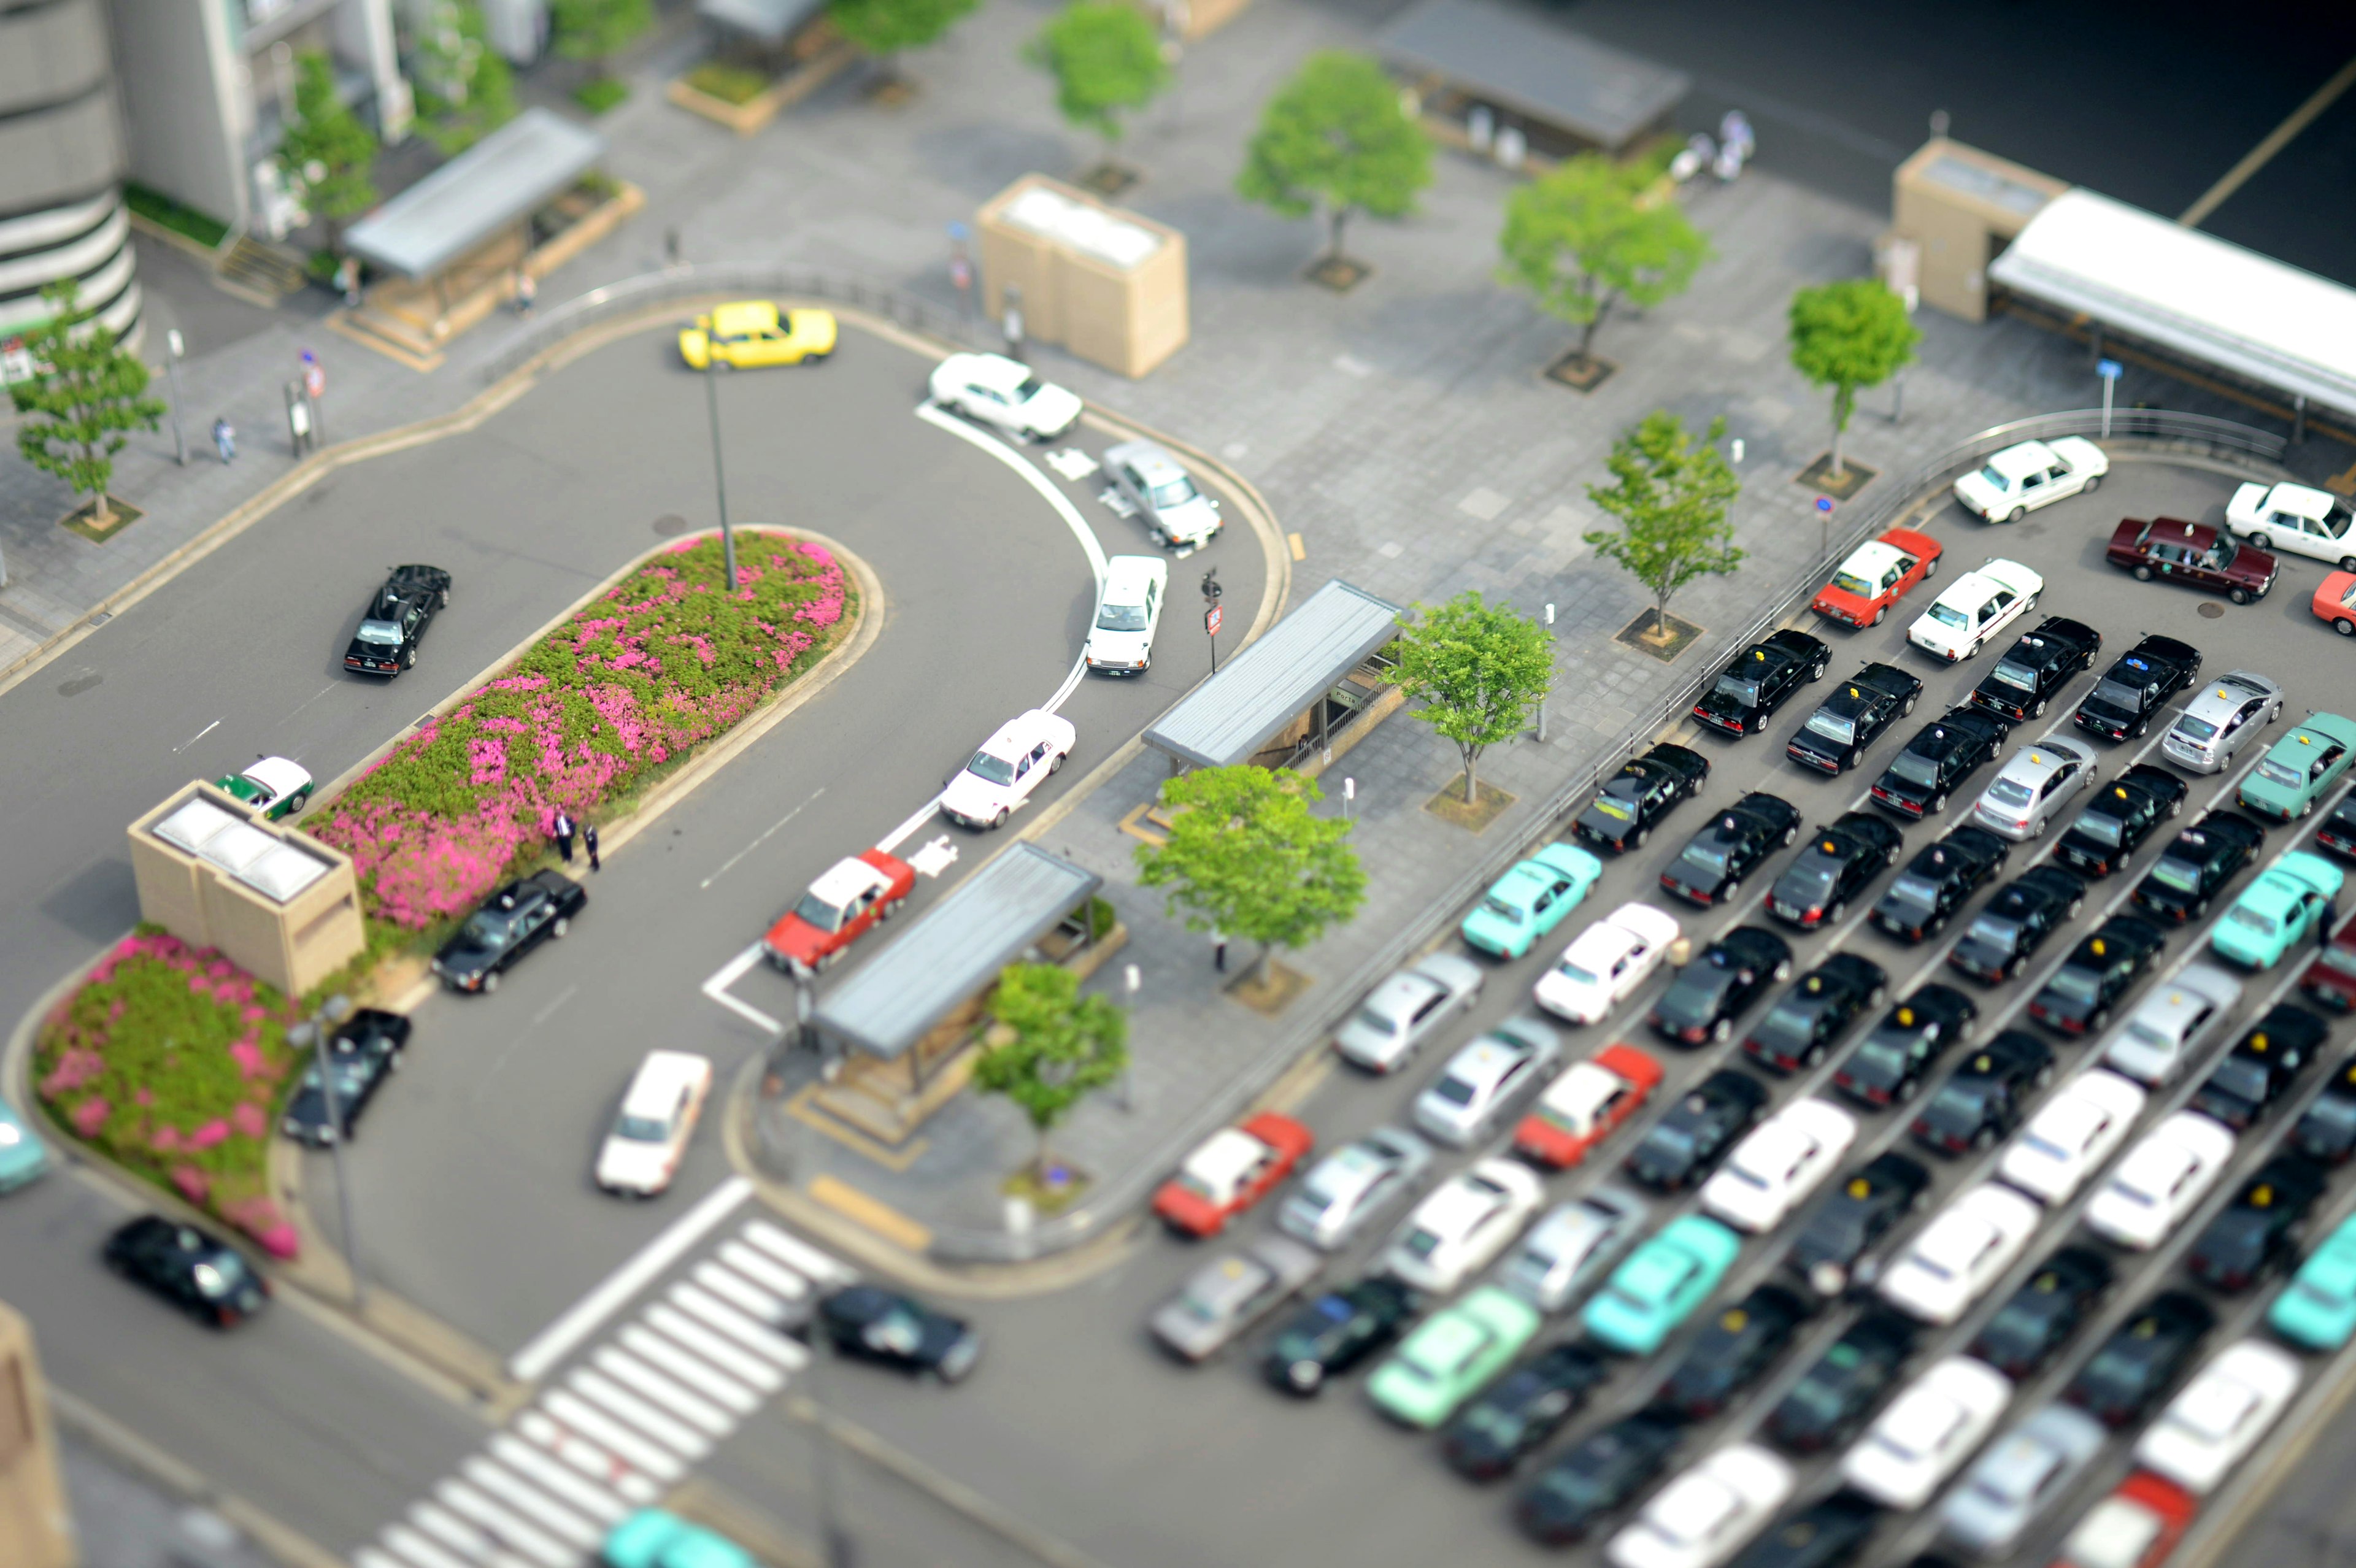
564,832
1218,950
348,278
589,842
224,440
527,291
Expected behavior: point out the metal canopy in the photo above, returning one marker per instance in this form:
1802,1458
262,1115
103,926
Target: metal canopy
1519,61
954,950
496,182
1228,718
770,21
2205,298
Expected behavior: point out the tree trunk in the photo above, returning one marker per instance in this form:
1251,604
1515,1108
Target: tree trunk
1472,786
1335,219
1842,398
1039,1157
1594,325
101,516
1259,966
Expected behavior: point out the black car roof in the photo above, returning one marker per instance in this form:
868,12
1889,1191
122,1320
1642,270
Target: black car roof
1795,645
1750,945
2229,829
2062,629
1683,759
2284,1181
2155,645
1886,677
1728,1083
1862,973
2290,1025
2013,1050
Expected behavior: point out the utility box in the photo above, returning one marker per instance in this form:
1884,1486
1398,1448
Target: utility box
1103,284
277,902
35,1529
1961,208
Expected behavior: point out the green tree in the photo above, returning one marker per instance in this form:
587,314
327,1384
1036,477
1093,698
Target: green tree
1847,336
885,28
465,91
1247,857
72,415
1061,1048
597,30
326,153
1670,496
1580,242
1478,668
1107,61
1337,136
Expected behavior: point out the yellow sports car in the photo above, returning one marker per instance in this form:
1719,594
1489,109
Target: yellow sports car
754,332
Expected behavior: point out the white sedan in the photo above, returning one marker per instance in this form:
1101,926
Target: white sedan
2072,1135
2162,1179
2016,481
1927,1433
1606,962
1786,1158
1486,1079
2169,1029
2219,1416
1976,607
656,1119
1011,765
1707,1514
1002,392
1960,1253
1464,1224
2295,518
1122,640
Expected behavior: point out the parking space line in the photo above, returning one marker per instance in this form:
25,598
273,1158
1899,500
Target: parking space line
560,1337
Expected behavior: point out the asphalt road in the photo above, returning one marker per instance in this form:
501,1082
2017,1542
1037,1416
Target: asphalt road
1079,1426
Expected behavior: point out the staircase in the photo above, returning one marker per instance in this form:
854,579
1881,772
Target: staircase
262,272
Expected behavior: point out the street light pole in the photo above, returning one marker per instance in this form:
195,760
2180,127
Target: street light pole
1542,696
719,469
172,369
334,1011
1131,978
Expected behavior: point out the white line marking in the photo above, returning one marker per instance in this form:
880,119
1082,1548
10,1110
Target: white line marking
706,1380
639,1412
762,1273
556,1480
756,843
1071,683
506,1487
505,1527
619,1440
808,1259
370,1557
748,1331
540,1017
560,1337
751,1368
606,1467
891,843
727,975
419,1550
452,1530
310,699
216,724
723,1281
628,1369
1031,475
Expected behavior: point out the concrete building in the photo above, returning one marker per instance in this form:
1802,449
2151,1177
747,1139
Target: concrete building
61,164
34,1530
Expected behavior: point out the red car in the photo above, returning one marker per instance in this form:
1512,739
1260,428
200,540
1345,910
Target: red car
2136,1526
2192,553
1582,1107
2335,601
1878,574
1231,1170
856,893
2330,978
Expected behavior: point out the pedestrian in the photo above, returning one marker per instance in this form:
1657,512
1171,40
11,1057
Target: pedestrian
1218,950
564,835
1013,322
670,250
224,440
589,842
527,290
348,278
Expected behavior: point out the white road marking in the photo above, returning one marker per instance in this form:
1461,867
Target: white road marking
667,1356
756,843
937,856
505,1527
419,1550
679,1325
556,1480
310,699
723,1281
695,1409
541,1016
560,1337
727,975
745,1330
505,1486
606,1469
452,1530
216,724
892,841
639,1412
618,1440
784,1282
806,1259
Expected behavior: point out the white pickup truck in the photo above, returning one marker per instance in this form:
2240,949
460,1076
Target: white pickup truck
2294,518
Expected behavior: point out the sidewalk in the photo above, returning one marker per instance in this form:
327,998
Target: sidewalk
123,1519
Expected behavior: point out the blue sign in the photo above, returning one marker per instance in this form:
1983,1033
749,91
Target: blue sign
1824,503
2108,369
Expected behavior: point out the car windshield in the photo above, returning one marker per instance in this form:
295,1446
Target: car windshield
2181,875
2117,694
2075,984
1993,477
1613,808
1880,1057
816,912
1421,1243
990,769
2103,830
1850,583
1670,1138
486,928
1948,615
381,632
1575,974
1377,1020
1499,909
2195,729
1912,768
2010,792
2274,772
1744,692
1173,493
1917,891
2241,1077
1993,930
1454,1090
2018,675
2249,919
1122,618
1832,726
1031,388
642,1129
2341,958
1708,857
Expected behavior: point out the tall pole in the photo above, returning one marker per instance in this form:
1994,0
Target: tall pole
336,1010
1131,979
1542,696
719,469
172,369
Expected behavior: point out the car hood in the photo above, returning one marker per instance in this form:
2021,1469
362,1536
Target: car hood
970,794
1189,521
1935,633
633,1166
794,937
1366,1044
1118,648
1051,406
2140,1059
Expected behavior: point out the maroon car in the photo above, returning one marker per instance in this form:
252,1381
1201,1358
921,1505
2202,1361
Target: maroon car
2193,553
2330,978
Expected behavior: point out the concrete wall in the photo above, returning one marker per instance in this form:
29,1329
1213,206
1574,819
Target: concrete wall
180,98
35,1529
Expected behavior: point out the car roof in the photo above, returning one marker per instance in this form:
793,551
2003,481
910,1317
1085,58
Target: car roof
989,369
655,1088
743,315
1224,1158
1150,460
1017,734
2039,758
1132,572
282,776
1871,558
2023,458
1226,1282
846,880
2299,500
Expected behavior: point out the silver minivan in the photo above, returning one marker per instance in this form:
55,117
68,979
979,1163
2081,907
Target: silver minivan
1165,495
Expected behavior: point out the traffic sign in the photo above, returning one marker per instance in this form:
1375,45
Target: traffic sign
1212,618
1824,503
2109,369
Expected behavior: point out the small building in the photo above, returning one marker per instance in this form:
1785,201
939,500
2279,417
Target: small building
277,902
1960,208
35,1529
1104,284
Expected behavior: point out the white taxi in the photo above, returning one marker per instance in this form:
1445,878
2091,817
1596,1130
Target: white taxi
657,1117
1976,607
1606,962
1011,766
1002,392
1129,612
2016,481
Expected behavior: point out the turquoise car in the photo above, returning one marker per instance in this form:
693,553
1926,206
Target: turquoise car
1449,1356
2291,900
653,1539
23,1156
1531,900
2318,1308
2305,763
1660,1284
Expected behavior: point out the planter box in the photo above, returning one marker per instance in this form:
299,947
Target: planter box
807,75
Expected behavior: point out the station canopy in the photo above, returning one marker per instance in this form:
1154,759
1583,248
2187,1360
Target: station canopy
770,21
1519,61
2205,299
1230,717
953,950
498,182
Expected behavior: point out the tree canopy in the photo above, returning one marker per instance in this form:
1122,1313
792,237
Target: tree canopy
88,392
1847,336
326,153
1478,669
1060,1045
885,27
1338,136
598,29
1581,239
465,91
1107,61
1670,496
1247,857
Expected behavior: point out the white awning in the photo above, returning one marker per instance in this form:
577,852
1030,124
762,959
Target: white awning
499,181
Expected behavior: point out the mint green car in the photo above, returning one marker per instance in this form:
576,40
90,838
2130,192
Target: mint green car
23,1156
1657,1286
1529,901
2291,900
653,1539
1449,1356
2290,779
2318,1308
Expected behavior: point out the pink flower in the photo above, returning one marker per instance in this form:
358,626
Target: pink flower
213,1131
90,1115
164,1139
74,1069
193,1184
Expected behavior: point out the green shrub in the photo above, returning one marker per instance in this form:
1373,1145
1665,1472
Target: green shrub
728,83
601,94
157,207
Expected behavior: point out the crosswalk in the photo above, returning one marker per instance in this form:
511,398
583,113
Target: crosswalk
628,1420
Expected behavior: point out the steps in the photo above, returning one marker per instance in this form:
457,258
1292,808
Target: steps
258,270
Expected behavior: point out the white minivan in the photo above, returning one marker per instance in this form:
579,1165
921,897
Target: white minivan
1122,640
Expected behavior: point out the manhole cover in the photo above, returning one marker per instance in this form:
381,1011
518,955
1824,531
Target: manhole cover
2211,611
671,525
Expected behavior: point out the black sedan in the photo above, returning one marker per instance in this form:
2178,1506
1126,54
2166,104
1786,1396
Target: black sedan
1829,1403
1834,1252
1521,1412
1336,1332
1984,1098
1837,733
2263,1066
394,623
1710,868
2121,816
1890,1064
1837,863
2327,1131
511,923
364,1052
2138,686
1938,882
2196,865
2040,1317
1623,812
2077,998
1801,1027
2337,831
870,1323
1732,1351
1760,680
1722,980
1596,1476
2140,1361
2258,1233
1708,1120
2040,664
201,1274
2016,923
1830,1532
1937,761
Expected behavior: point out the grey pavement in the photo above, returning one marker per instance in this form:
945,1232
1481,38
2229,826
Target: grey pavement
125,1518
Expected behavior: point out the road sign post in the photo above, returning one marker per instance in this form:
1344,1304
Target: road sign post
1824,525
2109,371
1211,619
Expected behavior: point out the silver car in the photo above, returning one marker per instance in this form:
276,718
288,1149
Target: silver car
2220,720
2020,1475
1573,1245
1402,1012
1223,1299
1486,1080
1176,511
2025,797
2168,1028
1350,1187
